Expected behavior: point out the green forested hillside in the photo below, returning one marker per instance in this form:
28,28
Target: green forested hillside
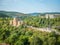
37,21
25,36
12,14
3,15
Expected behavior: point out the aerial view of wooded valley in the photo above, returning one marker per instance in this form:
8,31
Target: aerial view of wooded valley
24,22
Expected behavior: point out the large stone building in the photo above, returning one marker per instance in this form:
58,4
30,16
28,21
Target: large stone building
49,16
16,22
52,15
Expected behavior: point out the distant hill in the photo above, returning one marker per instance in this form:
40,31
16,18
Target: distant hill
3,15
35,14
18,14
52,13
12,14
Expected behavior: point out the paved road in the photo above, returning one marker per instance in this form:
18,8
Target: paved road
45,29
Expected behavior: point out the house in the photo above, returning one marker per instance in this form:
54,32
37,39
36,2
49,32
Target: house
16,22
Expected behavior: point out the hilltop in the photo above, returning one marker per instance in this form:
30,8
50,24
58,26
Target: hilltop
12,14
19,14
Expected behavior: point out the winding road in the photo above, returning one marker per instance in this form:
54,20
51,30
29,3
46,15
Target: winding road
44,29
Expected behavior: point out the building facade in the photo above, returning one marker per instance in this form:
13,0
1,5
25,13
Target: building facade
16,22
49,16
52,16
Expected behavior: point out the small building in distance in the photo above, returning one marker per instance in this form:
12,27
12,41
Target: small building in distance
16,22
52,15
49,16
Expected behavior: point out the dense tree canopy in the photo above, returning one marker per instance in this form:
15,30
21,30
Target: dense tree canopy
24,36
